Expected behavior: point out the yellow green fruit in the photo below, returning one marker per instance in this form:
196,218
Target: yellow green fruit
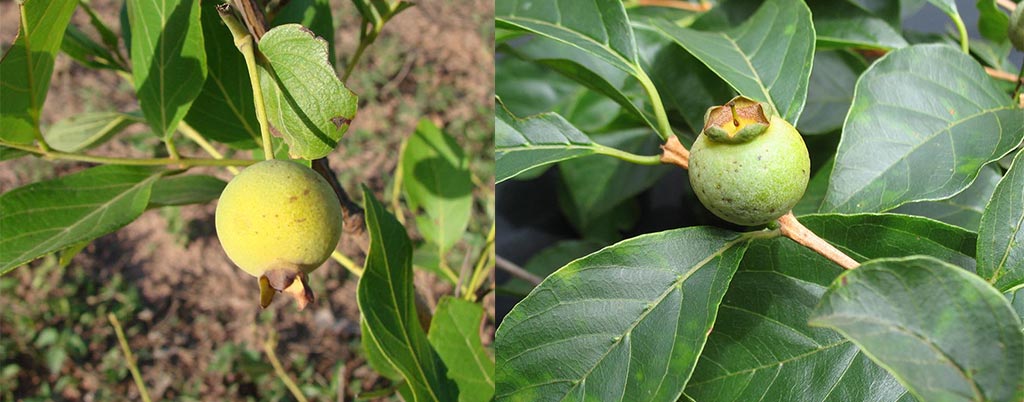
278,220
750,182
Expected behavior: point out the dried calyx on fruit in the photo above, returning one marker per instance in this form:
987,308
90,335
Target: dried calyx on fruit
747,167
279,221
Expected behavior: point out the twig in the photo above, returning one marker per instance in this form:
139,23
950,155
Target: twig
1002,75
516,271
352,213
793,229
1007,4
177,163
675,153
341,382
681,5
128,357
268,348
194,135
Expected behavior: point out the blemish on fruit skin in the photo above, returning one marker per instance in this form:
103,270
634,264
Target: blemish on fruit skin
300,220
293,198
305,192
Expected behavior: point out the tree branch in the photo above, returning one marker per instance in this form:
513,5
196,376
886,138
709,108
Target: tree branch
516,271
793,229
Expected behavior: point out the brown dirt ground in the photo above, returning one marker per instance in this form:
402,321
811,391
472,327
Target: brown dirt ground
194,299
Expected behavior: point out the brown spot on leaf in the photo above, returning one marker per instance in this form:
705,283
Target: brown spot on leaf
340,121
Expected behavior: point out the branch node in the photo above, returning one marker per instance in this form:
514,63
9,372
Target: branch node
675,153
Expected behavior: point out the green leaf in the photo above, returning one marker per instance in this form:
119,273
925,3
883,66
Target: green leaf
943,332
437,181
375,356
27,65
313,14
523,144
761,347
847,23
964,209
1001,236
815,193
624,324
597,27
47,216
993,23
81,47
86,130
1016,299
830,91
387,303
455,335
774,71
547,261
224,110
527,88
594,186
305,100
897,148
185,189
168,59
378,12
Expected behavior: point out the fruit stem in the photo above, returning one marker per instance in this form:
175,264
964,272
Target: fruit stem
793,229
244,43
675,153
181,163
128,357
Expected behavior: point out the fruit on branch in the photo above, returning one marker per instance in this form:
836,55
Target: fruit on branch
1016,31
278,221
746,167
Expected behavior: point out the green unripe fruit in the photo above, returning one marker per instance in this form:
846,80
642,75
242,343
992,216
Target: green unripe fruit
1016,31
278,221
748,176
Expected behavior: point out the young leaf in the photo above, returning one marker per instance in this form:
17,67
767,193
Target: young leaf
455,335
848,23
761,347
26,67
624,324
168,59
313,14
935,142
964,209
86,130
47,216
943,332
830,91
437,181
387,303
224,110
185,189
774,71
81,47
1001,235
305,100
523,144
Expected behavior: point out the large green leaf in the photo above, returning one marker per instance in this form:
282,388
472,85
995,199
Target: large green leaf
1001,236
992,22
830,91
168,59
964,209
624,324
224,110
387,302
761,347
597,27
523,144
86,130
455,335
305,100
925,119
47,216
847,23
774,71
526,88
943,332
27,65
313,14
436,180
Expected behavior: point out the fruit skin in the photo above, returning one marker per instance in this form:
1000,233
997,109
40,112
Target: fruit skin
278,216
755,182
